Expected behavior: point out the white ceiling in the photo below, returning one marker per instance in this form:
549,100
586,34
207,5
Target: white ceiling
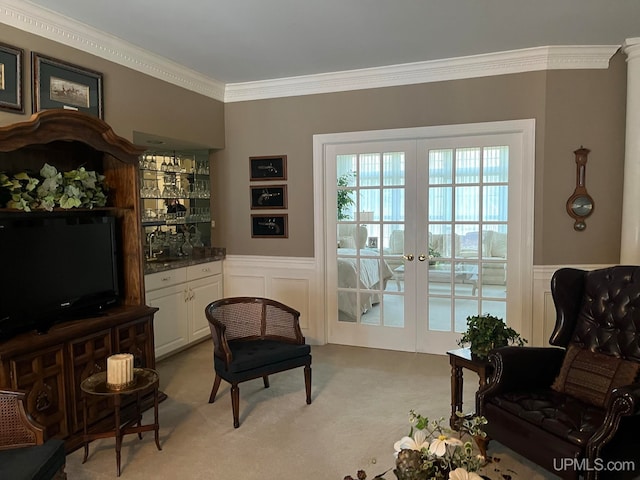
236,41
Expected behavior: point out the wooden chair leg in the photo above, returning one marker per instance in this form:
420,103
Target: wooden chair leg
214,390
307,382
265,379
235,404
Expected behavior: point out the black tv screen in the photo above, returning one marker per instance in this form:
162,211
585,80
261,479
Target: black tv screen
55,267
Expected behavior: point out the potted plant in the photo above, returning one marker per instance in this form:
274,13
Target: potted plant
486,332
344,196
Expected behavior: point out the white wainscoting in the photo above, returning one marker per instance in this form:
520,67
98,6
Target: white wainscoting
290,280
294,281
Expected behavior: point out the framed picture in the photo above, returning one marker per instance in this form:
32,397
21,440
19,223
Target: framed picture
268,168
269,226
11,78
58,84
268,196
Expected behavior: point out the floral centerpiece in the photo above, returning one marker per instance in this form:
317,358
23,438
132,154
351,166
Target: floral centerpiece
432,451
79,188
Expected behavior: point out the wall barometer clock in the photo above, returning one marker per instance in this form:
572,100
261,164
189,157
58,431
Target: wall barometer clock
580,204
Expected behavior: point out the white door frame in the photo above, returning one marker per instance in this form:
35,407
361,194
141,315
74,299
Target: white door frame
522,282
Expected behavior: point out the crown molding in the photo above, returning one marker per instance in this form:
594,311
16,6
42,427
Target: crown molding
491,64
40,21
53,26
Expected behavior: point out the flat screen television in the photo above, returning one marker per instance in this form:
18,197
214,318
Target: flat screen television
56,267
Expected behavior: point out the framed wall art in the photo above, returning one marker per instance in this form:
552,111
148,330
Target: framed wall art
11,59
268,168
269,226
58,84
268,196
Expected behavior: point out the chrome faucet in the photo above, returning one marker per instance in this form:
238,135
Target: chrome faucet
150,238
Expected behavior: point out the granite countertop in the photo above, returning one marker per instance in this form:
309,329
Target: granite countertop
161,265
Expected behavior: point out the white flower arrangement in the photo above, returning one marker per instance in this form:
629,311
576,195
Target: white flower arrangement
79,188
432,451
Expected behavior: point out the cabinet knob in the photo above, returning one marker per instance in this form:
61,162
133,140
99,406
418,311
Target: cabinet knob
165,279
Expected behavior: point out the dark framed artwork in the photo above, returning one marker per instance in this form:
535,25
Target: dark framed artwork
11,78
58,84
269,226
268,196
268,168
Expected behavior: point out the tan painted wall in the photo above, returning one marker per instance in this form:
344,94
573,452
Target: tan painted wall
571,108
132,101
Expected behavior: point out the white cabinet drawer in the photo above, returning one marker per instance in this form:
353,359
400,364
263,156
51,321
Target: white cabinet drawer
194,272
154,281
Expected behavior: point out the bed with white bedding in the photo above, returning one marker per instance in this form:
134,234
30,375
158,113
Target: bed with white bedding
365,270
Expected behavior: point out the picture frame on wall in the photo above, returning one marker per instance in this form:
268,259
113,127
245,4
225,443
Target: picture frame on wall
269,226
268,196
11,59
58,84
272,167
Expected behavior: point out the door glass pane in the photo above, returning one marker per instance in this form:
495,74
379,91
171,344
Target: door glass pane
440,314
495,205
468,165
393,204
394,168
440,166
495,167
369,171
467,204
440,204
393,310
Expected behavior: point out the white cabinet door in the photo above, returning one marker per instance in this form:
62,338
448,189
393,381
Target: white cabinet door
202,293
170,327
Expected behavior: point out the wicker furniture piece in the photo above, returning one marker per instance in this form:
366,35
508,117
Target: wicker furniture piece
578,401
24,452
255,337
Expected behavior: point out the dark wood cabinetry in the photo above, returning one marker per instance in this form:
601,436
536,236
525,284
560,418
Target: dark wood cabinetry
51,366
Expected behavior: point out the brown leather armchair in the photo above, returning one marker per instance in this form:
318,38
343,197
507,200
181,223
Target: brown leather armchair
574,407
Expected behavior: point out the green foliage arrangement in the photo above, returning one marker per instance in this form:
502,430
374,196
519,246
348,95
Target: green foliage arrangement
485,332
79,188
344,197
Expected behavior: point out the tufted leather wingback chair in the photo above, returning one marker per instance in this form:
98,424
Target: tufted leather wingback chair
566,431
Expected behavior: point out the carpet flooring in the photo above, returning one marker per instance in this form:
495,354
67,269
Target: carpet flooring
361,399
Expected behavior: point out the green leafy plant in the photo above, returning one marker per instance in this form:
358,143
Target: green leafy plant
485,332
344,197
79,188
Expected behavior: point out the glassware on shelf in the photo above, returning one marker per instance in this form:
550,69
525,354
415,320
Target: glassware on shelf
152,165
197,238
187,248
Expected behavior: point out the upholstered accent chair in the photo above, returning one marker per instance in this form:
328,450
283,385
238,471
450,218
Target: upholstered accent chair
25,454
255,337
578,401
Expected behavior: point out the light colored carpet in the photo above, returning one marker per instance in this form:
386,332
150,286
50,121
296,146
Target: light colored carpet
361,399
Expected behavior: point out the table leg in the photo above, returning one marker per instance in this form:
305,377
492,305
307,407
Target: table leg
85,438
156,423
118,431
456,395
138,414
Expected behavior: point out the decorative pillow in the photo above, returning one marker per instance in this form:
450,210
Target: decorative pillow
347,242
590,376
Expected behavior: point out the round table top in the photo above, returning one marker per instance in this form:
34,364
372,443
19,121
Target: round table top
96,384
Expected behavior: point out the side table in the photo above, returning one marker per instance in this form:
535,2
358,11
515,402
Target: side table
145,380
459,359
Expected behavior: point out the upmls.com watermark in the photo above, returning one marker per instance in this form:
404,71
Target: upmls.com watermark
597,465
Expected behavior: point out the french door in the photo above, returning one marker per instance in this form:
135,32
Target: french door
420,236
